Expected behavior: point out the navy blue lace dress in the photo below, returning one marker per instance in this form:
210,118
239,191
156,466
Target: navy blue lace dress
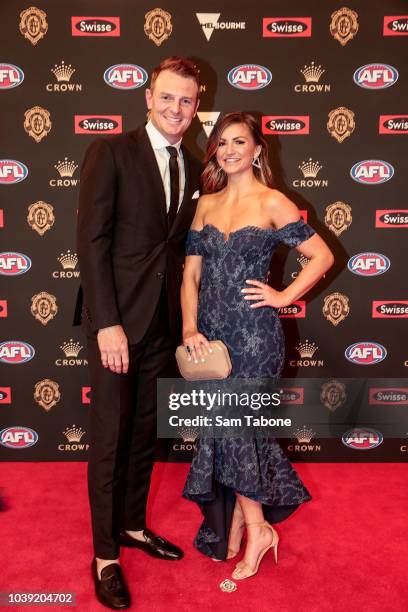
256,468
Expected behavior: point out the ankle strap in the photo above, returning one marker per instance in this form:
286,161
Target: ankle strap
259,524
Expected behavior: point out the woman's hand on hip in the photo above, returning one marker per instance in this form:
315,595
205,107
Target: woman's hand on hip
264,295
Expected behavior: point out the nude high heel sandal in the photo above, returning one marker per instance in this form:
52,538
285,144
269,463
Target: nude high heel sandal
242,566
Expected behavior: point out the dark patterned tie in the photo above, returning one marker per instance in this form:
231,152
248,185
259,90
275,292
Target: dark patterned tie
174,185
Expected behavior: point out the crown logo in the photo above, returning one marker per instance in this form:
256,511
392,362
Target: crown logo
307,349
68,260
312,73
303,260
304,434
63,72
310,168
73,434
71,349
188,434
66,168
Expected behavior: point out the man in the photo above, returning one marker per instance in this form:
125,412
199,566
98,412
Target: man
136,205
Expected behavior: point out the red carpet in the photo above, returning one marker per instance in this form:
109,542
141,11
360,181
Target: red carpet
345,550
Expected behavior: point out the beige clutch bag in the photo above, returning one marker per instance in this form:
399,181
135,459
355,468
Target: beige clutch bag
217,365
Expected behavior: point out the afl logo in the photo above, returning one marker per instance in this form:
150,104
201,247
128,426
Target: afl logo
10,76
369,264
362,439
15,352
372,172
12,171
125,76
14,264
249,77
365,353
375,76
18,437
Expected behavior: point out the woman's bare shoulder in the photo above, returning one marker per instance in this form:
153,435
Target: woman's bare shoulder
205,204
280,208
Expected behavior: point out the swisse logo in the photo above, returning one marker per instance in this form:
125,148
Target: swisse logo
86,395
18,437
125,76
388,395
98,124
12,171
391,218
290,124
365,353
390,309
295,310
362,439
95,26
369,264
372,172
375,76
292,395
395,25
274,27
393,124
14,264
10,76
15,352
5,395
249,77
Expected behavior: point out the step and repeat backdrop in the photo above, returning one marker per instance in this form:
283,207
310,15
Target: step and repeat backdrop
329,84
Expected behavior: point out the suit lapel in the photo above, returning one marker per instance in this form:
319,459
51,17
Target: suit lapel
151,170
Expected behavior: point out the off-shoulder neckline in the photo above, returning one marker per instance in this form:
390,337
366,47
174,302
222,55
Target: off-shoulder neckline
246,227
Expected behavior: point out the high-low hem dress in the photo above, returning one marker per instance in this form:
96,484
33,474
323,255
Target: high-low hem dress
256,468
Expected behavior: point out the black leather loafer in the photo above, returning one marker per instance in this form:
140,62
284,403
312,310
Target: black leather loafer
153,545
111,590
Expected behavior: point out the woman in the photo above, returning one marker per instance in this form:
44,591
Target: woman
239,223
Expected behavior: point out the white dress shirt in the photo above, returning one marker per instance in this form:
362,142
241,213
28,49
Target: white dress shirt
159,144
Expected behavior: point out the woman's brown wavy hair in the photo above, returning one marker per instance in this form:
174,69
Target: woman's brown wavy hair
214,178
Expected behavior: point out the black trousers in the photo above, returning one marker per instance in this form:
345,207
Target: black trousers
123,434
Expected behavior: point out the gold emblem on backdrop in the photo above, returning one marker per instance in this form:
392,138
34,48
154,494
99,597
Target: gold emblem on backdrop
47,393
336,307
344,25
338,217
158,26
44,307
40,217
37,122
341,123
33,24
333,394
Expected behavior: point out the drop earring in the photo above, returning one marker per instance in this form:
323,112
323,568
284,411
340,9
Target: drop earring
256,163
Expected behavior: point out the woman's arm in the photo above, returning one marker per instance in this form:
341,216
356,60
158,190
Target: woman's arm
282,212
192,339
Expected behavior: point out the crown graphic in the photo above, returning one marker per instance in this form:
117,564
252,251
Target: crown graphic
312,73
303,260
304,434
306,349
310,168
74,434
66,168
68,260
71,349
188,434
63,72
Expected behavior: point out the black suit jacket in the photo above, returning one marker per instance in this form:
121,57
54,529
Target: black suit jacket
125,249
